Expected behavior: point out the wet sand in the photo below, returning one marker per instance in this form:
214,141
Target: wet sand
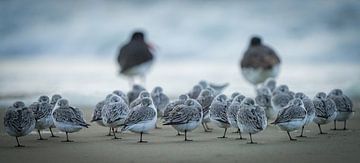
91,145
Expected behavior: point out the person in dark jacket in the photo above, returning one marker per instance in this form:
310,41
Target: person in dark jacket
135,57
259,62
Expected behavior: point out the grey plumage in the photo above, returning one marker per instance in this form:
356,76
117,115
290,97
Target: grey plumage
343,103
160,100
218,109
137,101
263,100
173,104
324,107
205,98
309,107
251,118
135,92
42,112
270,83
19,121
122,95
96,116
140,113
195,91
233,109
184,113
114,111
294,111
69,115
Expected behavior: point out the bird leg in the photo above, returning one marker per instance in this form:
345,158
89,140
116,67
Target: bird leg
224,134
251,141
302,131
113,129
40,137
334,125
291,139
141,141
208,127
109,134
205,128
321,130
67,138
240,138
344,126
186,139
52,134
18,143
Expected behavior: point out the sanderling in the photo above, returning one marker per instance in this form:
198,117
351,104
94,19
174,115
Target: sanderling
251,118
135,58
142,95
68,119
42,111
141,119
96,116
19,121
309,107
263,99
344,106
325,110
232,97
172,105
270,83
185,117
122,95
218,109
281,97
259,62
54,100
195,92
291,117
114,113
232,112
160,100
135,92
205,98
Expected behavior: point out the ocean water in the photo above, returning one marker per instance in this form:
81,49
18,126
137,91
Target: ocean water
48,47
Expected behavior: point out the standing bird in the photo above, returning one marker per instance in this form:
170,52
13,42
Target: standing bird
205,98
259,62
96,116
169,107
135,92
68,119
114,113
54,99
251,118
344,106
141,119
195,92
185,117
309,107
281,97
263,99
122,95
160,100
218,110
42,112
19,121
291,117
137,101
325,110
135,58
232,112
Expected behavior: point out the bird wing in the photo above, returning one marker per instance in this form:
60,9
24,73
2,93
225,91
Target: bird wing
140,114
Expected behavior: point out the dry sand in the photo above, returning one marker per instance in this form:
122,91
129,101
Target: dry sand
92,146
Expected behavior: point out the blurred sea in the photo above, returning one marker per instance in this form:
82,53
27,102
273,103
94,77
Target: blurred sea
48,47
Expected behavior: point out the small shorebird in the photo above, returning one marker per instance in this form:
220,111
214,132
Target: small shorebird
160,100
270,83
54,99
195,91
185,117
96,116
68,119
218,110
232,112
19,121
291,117
135,92
344,106
135,58
141,119
259,62
205,98
122,95
251,118
42,111
309,107
325,110
114,113
172,105
281,97
263,99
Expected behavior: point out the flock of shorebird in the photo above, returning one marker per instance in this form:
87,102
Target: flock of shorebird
139,110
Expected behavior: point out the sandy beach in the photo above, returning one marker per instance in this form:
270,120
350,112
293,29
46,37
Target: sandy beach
91,145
